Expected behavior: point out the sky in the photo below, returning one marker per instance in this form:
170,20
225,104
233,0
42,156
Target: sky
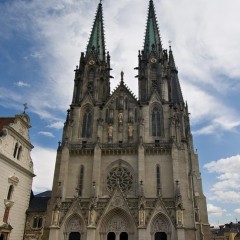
40,46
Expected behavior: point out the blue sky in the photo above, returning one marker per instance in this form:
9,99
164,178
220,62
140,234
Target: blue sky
40,45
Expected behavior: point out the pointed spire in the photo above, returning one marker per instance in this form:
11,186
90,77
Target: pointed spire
152,36
97,40
176,92
172,64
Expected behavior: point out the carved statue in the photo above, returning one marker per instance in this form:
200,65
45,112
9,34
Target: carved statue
130,130
55,219
141,216
179,217
120,118
110,131
92,216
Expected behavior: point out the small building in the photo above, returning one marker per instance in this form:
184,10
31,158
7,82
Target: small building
16,175
229,231
36,215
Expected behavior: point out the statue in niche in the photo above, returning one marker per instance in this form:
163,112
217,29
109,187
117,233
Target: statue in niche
110,131
179,216
120,118
141,216
55,219
130,130
92,216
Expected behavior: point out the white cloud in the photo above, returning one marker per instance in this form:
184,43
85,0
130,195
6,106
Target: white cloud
46,134
237,211
56,125
44,162
214,210
226,196
208,68
226,189
22,84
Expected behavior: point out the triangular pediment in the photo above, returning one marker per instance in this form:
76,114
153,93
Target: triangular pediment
74,208
117,200
160,207
122,89
87,99
155,97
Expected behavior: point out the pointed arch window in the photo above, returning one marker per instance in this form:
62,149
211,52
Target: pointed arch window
158,178
126,103
154,77
156,122
107,115
136,115
91,75
87,124
117,102
80,187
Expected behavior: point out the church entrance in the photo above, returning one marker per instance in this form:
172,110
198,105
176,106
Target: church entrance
111,236
121,236
74,236
160,236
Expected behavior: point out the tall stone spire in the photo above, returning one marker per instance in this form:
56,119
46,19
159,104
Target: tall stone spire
176,92
97,41
152,37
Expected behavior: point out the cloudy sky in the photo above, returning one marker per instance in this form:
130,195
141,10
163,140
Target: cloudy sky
40,45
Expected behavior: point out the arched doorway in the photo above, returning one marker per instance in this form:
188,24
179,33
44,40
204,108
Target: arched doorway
160,236
74,236
111,236
123,236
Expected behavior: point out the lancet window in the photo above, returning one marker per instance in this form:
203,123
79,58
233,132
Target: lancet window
87,124
158,178
81,176
156,122
154,78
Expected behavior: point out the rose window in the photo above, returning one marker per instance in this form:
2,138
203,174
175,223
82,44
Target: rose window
121,177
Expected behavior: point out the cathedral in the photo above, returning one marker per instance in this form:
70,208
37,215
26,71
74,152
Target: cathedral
126,168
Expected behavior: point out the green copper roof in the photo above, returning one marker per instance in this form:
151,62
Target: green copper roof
152,36
97,41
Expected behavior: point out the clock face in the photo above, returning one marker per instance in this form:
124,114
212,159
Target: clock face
153,60
91,62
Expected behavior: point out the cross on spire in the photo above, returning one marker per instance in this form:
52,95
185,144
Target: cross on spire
25,107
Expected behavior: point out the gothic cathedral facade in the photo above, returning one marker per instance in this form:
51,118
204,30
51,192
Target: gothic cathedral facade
126,167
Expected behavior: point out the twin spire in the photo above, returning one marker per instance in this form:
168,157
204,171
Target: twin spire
97,39
152,37
152,42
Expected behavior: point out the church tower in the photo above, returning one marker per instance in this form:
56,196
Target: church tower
126,167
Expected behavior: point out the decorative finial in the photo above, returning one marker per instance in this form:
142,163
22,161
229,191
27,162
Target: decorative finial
25,108
170,44
122,75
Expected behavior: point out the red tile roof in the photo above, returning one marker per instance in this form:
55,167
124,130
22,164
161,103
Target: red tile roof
6,121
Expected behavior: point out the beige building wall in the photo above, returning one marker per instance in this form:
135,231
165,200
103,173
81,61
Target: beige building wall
16,171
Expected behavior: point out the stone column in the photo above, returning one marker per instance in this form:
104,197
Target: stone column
96,176
141,165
